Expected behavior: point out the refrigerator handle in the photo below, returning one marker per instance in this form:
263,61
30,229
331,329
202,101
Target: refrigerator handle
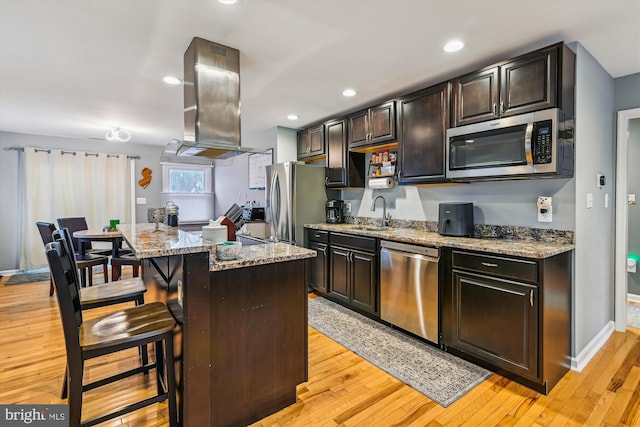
274,199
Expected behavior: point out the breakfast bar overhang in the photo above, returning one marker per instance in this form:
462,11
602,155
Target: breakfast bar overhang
242,339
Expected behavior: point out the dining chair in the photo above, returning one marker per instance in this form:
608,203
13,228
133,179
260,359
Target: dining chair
125,259
108,334
102,295
85,265
74,224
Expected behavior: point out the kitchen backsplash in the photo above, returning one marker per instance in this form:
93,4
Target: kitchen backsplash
480,230
499,206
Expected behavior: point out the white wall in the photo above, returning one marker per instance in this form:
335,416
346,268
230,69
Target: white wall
150,157
595,152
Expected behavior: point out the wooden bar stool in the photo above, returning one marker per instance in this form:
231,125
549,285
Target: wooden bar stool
123,329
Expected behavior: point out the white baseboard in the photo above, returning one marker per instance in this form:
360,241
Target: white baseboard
633,298
578,363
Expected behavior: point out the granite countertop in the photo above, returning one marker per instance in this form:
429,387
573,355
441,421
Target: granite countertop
514,247
147,242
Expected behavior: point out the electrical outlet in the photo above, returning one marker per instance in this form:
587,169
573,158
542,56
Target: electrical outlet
545,214
545,210
347,207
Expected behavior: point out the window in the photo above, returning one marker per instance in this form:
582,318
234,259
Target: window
186,179
190,187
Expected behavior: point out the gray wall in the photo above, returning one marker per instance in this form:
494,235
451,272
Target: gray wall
495,203
627,96
231,177
633,187
595,152
150,157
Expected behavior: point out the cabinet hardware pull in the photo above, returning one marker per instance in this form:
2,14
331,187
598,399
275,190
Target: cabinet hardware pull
502,107
531,297
326,180
495,111
488,264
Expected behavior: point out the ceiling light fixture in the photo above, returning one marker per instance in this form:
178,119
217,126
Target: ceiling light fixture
228,1
349,92
292,117
453,46
117,134
171,80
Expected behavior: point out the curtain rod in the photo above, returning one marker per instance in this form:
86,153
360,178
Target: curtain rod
46,150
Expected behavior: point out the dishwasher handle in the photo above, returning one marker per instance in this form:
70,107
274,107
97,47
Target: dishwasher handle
411,249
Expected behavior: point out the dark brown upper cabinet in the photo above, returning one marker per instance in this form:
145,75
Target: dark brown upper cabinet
311,142
423,119
536,81
344,169
373,126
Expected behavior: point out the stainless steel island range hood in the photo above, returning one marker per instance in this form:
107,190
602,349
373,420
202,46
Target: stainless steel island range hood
211,105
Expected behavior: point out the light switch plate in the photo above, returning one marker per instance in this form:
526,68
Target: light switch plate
589,200
141,200
347,207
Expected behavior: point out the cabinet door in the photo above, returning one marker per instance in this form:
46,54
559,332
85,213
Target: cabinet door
359,128
476,97
318,267
364,280
339,276
529,83
496,320
382,123
316,140
423,121
303,143
336,171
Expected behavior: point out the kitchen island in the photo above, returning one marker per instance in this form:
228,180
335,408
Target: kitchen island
242,337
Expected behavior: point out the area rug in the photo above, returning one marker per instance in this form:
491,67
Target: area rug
633,315
440,376
18,279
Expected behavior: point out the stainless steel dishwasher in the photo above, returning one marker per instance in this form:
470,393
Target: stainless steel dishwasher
409,287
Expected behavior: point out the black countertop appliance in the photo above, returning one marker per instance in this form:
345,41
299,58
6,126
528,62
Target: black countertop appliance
335,211
455,219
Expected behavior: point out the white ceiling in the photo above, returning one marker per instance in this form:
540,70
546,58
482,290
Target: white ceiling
73,68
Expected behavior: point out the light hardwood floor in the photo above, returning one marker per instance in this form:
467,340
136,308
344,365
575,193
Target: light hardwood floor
343,389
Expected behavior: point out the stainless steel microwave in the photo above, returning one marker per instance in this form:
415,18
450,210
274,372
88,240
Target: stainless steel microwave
532,145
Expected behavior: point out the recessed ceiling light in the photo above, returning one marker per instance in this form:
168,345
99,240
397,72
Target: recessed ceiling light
171,80
349,92
453,46
292,117
228,1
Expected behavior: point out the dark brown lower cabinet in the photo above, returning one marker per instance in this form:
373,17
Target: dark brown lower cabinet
511,315
506,335
353,267
318,266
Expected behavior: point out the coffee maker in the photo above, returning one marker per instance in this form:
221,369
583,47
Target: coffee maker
335,211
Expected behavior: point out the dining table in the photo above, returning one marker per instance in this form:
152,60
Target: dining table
85,237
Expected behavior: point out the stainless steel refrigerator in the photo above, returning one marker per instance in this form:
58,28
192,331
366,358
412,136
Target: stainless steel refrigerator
295,195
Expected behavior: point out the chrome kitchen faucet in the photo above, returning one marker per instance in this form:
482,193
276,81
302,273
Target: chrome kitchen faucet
385,217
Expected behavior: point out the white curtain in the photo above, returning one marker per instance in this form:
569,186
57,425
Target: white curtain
59,183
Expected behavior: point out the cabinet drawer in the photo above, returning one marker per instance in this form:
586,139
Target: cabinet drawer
351,241
317,236
497,266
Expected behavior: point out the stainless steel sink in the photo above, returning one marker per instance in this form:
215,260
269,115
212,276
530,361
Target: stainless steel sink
369,228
